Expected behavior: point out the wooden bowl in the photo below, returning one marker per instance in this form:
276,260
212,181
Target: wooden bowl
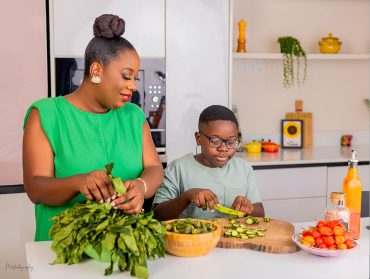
191,245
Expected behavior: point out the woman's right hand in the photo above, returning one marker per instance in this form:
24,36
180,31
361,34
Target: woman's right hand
203,197
96,186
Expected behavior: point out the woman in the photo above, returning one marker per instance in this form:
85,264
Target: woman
68,140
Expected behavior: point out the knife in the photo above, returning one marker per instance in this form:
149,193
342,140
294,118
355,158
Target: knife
229,211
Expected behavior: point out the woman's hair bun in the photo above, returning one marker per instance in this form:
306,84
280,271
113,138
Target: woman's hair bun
109,26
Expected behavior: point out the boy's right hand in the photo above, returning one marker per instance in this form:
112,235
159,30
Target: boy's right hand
96,186
203,197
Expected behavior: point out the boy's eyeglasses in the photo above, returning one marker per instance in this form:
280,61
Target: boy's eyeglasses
216,142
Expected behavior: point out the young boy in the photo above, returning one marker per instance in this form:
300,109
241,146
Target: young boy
211,177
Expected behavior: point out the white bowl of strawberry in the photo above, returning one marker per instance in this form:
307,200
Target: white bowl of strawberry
326,239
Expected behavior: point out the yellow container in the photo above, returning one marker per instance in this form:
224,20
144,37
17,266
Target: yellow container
330,44
253,147
191,245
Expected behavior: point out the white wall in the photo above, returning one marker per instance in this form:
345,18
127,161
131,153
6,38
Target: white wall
23,78
197,43
334,90
73,24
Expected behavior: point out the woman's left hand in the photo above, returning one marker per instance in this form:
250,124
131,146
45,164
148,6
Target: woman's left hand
131,202
242,204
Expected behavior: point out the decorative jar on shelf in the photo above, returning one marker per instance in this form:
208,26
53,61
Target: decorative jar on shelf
330,44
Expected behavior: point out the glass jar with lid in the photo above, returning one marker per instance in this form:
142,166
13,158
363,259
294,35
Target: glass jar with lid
337,210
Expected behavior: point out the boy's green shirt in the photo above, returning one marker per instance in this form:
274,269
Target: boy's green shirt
234,179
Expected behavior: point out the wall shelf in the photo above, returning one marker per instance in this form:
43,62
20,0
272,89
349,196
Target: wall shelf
310,56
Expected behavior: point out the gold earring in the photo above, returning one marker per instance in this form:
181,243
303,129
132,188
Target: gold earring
95,79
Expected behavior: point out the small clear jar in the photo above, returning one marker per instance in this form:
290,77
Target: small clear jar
337,210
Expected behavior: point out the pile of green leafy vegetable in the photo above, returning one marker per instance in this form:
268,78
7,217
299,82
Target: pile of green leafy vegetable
128,240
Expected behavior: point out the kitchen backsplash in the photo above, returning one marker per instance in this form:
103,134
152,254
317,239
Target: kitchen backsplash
319,138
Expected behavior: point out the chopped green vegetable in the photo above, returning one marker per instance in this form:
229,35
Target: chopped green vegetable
250,220
242,231
266,219
189,226
107,234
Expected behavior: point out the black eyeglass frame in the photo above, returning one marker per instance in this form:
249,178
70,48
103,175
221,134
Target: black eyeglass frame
223,141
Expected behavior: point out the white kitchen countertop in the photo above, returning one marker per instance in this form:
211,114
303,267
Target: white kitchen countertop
219,263
312,155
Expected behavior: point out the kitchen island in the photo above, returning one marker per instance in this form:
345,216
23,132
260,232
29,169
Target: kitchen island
219,263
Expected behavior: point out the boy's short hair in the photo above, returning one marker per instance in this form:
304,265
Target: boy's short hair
216,112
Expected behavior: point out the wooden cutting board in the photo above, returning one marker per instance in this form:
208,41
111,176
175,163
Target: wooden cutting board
277,239
306,117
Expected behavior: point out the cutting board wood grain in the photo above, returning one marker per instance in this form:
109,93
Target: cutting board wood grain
277,239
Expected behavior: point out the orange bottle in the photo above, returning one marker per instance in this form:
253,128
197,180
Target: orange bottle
241,39
352,187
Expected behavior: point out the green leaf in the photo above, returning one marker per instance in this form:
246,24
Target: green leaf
109,168
103,225
122,263
131,242
121,244
140,271
119,187
109,241
107,235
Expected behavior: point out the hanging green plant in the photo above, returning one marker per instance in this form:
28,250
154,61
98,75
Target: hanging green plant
291,49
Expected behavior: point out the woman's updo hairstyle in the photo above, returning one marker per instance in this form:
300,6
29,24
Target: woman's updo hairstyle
107,43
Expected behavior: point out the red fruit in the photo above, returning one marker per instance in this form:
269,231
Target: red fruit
346,235
350,243
306,233
319,241
333,247
325,231
328,240
314,232
321,223
333,223
342,226
323,246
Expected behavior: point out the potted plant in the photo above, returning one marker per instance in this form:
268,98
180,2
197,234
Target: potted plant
291,49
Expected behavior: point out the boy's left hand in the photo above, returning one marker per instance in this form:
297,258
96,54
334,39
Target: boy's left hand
242,204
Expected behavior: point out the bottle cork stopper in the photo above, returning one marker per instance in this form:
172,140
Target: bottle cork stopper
298,105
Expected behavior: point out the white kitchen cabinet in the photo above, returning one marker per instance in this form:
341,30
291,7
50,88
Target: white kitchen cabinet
293,194
336,176
296,210
197,61
71,25
17,227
